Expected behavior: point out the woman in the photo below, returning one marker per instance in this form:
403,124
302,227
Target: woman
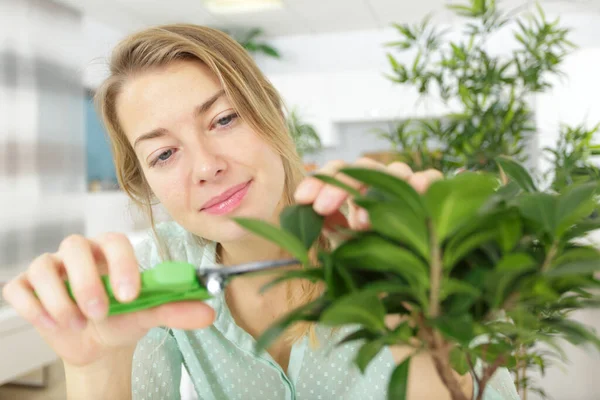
195,126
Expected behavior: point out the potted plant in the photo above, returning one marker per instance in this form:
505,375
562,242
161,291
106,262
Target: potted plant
490,91
480,269
305,136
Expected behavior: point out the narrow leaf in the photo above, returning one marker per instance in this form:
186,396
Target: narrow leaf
367,353
398,385
385,182
377,254
308,312
575,204
302,221
335,182
453,202
517,173
361,334
399,223
358,308
539,208
278,236
458,360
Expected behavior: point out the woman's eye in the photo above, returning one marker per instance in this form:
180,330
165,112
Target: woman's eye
162,158
225,121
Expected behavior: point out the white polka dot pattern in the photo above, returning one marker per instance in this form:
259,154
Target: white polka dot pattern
221,360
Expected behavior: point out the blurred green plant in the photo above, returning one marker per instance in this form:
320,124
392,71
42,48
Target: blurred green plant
490,91
304,134
482,270
571,157
250,40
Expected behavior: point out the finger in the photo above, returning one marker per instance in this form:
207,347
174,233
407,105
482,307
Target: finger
19,294
421,181
44,277
122,265
331,198
81,266
186,315
400,170
307,190
358,218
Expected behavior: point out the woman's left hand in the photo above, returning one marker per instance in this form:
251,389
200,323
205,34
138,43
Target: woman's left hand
327,199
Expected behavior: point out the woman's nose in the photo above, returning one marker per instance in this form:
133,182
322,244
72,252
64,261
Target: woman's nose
208,164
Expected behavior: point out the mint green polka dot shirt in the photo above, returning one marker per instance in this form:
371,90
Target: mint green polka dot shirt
221,362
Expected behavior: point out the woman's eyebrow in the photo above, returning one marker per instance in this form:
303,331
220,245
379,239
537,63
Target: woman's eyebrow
199,110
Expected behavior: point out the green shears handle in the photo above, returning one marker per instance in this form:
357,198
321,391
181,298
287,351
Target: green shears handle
166,282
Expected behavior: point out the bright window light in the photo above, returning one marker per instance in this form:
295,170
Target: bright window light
241,6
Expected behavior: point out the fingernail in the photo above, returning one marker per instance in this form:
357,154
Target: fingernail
126,291
304,191
363,217
95,308
78,323
46,322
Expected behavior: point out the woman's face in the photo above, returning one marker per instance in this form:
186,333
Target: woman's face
203,163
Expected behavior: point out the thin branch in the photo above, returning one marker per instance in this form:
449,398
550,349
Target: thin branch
435,272
550,256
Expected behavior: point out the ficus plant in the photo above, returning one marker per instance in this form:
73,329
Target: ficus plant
481,268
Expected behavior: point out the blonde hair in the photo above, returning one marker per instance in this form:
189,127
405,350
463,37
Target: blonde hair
252,95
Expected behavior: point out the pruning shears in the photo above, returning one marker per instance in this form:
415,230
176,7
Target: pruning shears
176,281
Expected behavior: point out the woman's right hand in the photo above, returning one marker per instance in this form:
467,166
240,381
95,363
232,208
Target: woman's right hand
79,330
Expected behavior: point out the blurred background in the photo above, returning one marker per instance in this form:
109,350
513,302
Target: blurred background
359,77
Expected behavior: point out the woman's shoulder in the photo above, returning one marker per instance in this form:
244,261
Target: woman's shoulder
168,241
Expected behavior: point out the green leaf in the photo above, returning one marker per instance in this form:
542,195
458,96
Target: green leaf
308,312
453,202
578,267
398,223
459,328
539,208
278,236
335,182
458,360
385,182
361,334
357,308
337,278
302,221
452,286
574,332
458,246
510,232
581,228
312,274
367,353
507,271
574,204
398,384
517,173
375,253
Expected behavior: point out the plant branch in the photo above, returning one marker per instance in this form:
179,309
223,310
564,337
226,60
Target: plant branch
487,375
435,273
550,256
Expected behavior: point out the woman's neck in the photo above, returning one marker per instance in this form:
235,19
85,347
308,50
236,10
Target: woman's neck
248,250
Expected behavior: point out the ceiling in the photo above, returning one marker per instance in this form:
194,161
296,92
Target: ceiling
296,17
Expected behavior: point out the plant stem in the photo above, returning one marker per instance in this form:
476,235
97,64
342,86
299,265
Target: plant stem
435,273
440,354
487,375
550,256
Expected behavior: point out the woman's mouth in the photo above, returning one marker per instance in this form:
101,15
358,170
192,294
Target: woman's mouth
227,201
